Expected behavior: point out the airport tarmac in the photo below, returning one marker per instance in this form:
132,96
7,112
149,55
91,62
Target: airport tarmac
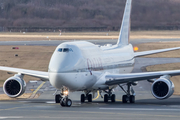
44,107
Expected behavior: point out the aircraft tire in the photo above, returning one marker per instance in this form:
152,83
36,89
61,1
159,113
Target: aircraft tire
90,98
132,99
105,98
113,98
124,98
57,98
62,103
82,98
68,102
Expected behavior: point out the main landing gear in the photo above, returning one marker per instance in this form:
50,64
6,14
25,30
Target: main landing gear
88,97
128,97
109,96
63,99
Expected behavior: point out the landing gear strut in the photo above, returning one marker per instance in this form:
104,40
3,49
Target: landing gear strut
63,99
128,97
109,96
86,97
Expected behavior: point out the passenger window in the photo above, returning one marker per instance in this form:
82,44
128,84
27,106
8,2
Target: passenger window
60,50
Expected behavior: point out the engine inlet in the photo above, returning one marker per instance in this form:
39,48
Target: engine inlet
12,87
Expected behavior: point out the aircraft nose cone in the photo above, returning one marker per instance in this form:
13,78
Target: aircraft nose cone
61,62
57,65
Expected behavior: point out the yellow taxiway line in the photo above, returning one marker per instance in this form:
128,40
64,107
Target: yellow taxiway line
118,100
39,87
97,95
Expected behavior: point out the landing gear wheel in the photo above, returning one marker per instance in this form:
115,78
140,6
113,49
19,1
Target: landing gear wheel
90,98
57,98
62,103
68,103
113,98
82,98
124,98
132,99
105,98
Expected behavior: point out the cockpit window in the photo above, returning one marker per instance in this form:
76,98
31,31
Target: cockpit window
65,50
70,50
60,49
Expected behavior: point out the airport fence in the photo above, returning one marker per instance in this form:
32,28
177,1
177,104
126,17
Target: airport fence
84,29
54,29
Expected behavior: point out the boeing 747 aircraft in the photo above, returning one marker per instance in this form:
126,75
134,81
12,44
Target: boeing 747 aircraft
83,66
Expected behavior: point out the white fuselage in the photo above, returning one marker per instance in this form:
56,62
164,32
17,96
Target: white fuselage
83,65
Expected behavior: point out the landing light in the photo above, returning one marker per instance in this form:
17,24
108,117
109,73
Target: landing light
136,48
65,92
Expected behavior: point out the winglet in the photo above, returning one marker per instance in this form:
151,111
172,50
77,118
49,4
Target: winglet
125,26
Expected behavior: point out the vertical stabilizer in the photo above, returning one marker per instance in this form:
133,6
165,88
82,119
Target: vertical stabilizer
125,26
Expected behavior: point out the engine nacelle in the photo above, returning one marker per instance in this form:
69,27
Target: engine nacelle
14,86
162,88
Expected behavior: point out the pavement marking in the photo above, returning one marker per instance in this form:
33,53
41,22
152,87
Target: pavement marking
50,102
118,100
11,117
32,90
34,93
39,87
14,108
111,113
97,95
140,109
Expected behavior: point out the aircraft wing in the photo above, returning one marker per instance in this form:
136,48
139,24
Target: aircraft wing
138,54
114,79
38,74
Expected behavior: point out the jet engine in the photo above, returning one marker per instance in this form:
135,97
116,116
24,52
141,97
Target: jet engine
162,88
14,86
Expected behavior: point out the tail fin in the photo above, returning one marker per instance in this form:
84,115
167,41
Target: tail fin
125,26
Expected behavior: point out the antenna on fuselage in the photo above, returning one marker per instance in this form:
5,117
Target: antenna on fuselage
125,25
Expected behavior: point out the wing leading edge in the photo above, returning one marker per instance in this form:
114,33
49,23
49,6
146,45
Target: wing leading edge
115,79
38,74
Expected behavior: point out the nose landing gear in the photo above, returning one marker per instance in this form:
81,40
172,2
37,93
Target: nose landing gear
65,102
63,99
58,98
